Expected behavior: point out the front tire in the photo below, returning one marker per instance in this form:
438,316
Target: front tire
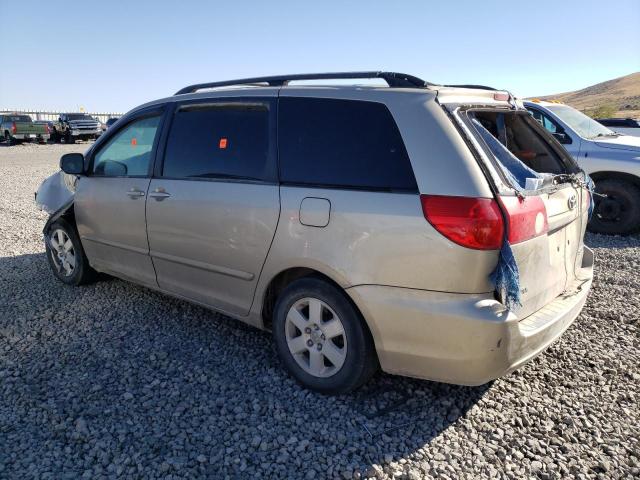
321,338
619,212
66,256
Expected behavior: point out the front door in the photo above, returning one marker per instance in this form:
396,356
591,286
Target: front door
213,208
110,201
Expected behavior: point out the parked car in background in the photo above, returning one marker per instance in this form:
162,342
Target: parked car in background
361,225
18,128
101,125
611,159
626,126
75,126
111,121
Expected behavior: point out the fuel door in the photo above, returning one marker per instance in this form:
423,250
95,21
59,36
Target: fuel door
315,212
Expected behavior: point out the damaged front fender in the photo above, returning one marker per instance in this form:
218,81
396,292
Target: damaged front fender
55,195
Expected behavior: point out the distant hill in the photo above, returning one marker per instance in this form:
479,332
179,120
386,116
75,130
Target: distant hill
619,97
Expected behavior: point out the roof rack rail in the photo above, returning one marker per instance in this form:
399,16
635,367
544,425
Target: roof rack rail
393,79
478,87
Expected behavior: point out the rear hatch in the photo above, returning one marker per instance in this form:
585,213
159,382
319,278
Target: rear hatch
546,218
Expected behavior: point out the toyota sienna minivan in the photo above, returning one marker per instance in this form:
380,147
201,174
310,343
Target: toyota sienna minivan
363,225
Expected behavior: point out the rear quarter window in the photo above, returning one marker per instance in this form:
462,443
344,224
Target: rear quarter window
341,143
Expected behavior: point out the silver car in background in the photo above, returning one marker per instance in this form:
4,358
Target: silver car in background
611,159
360,224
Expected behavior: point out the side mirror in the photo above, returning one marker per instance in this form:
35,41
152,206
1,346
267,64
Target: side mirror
562,138
72,163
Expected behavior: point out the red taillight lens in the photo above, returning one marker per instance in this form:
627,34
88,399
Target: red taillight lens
46,127
14,129
527,217
471,222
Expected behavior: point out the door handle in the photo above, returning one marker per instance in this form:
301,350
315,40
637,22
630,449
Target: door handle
135,193
159,194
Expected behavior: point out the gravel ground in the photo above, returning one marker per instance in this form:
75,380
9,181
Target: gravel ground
114,380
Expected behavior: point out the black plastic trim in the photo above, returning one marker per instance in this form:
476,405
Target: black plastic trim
393,79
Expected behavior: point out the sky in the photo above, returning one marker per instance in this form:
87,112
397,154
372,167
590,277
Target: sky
110,56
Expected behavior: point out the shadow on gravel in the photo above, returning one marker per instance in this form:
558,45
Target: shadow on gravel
115,379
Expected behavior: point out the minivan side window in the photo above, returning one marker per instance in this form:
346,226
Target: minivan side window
341,143
224,140
128,152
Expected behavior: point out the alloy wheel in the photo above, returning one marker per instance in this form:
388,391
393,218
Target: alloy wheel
62,252
316,337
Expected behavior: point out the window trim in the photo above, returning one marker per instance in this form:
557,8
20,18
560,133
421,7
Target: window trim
322,186
159,111
272,154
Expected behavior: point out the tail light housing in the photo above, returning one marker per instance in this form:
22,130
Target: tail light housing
46,126
527,217
14,129
479,223
471,222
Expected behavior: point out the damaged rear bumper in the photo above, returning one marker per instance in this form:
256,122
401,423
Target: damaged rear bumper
463,338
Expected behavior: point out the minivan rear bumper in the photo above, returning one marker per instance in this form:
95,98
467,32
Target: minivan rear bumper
466,339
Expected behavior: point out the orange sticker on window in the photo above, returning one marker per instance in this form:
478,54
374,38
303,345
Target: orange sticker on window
134,142
223,143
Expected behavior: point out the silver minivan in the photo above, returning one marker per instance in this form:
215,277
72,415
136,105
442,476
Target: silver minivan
430,231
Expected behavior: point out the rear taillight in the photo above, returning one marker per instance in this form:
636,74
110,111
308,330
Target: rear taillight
478,222
471,222
527,217
14,129
46,127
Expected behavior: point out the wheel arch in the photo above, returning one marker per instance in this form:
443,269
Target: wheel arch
66,211
613,175
285,277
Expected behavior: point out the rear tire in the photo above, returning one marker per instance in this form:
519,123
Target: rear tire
321,338
619,213
66,256
8,139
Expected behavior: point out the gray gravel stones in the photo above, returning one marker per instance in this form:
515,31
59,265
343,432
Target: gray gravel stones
113,380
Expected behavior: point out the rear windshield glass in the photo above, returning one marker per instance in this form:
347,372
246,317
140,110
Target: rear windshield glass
515,133
19,118
342,143
78,116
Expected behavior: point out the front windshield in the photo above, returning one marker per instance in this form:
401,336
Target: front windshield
79,116
584,126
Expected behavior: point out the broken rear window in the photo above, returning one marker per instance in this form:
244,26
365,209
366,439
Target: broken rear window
514,132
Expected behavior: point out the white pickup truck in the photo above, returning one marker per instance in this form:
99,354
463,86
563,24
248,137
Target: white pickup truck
611,159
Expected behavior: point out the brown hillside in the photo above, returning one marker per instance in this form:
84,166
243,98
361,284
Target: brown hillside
619,97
